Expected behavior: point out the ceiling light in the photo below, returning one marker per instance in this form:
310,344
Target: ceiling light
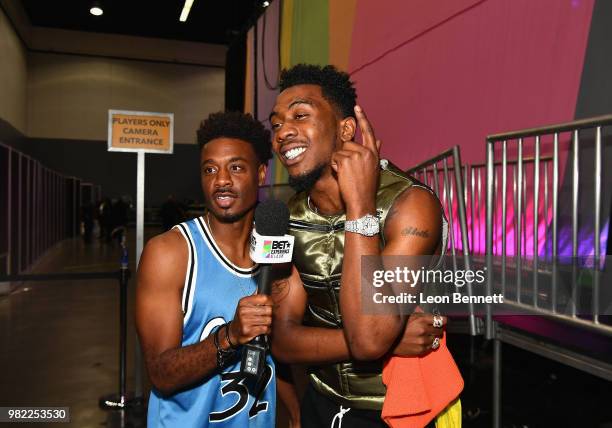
266,3
96,11
185,11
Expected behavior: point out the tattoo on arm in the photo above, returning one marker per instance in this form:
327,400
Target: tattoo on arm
391,213
413,231
280,288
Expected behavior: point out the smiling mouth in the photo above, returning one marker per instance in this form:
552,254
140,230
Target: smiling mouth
294,153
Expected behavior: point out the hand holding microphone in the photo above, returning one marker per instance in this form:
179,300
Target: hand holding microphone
269,245
252,318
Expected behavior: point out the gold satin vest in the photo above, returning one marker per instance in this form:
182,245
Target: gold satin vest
318,253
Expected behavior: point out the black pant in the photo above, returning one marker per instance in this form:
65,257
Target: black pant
319,411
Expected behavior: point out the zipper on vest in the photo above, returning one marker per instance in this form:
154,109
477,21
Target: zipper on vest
302,225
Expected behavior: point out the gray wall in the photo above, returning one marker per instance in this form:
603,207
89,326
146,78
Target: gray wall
177,173
595,96
53,106
595,99
13,76
69,95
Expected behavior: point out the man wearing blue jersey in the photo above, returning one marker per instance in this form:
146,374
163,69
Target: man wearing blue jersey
196,303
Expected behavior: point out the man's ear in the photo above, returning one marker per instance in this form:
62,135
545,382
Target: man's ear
261,174
348,125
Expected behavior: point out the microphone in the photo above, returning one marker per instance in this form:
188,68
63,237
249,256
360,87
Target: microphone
269,245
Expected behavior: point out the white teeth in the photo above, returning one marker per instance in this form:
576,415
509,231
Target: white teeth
294,153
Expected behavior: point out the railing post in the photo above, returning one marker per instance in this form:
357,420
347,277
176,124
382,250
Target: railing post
121,400
489,229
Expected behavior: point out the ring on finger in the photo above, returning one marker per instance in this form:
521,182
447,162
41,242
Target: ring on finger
436,343
438,321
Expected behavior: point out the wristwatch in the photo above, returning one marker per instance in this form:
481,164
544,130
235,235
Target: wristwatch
368,225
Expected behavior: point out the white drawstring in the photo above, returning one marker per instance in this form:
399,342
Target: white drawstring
339,415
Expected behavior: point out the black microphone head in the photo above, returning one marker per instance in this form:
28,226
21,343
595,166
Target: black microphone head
271,218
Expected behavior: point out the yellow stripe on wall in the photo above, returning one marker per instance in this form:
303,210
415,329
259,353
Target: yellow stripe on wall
341,20
286,32
310,35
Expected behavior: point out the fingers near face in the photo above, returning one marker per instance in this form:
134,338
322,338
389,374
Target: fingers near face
367,132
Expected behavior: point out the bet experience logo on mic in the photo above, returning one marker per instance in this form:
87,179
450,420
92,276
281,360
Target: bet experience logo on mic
276,249
271,249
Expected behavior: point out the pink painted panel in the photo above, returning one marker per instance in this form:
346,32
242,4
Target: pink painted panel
434,74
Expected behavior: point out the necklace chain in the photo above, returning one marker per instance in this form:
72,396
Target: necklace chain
312,207
243,287
208,223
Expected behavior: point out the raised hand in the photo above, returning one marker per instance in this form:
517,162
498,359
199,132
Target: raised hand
356,166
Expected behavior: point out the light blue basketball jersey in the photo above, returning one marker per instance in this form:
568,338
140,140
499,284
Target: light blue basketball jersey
213,287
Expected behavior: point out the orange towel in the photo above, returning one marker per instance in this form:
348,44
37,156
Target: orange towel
419,388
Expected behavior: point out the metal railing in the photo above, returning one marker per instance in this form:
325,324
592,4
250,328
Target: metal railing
39,208
442,174
528,267
475,177
535,220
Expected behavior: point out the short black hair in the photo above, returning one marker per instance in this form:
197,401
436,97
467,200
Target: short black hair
234,124
336,85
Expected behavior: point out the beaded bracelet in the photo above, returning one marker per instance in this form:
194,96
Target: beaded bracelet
222,354
227,336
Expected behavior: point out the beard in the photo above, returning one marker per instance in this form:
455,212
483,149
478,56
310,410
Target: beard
306,180
230,218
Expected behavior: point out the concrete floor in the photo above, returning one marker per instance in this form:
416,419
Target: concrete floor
60,339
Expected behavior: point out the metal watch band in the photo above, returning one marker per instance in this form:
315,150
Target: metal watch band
368,225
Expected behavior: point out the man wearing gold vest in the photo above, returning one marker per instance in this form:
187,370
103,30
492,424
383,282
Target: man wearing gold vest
349,203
